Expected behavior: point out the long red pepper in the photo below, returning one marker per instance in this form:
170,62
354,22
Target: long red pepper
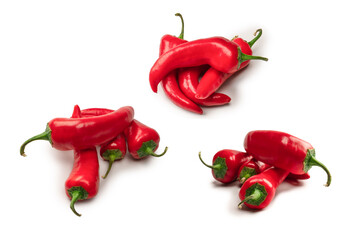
188,81
218,52
213,78
82,133
258,191
83,181
112,151
169,82
226,163
284,151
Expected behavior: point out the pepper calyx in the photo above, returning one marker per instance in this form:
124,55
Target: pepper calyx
254,195
245,173
148,148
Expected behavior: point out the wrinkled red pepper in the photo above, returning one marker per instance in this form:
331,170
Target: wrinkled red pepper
218,52
284,151
82,133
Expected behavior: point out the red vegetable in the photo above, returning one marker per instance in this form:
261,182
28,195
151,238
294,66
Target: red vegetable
83,133
83,181
218,52
113,151
264,166
169,82
188,81
214,78
226,164
248,169
258,191
142,140
283,151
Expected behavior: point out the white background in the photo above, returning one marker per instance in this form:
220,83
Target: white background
55,54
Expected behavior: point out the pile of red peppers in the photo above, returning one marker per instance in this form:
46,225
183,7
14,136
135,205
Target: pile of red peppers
192,71
114,132
270,157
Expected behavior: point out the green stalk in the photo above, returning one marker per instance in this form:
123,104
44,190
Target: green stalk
181,36
42,136
257,36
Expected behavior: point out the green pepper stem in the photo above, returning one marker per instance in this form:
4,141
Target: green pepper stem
150,152
181,36
42,136
75,196
257,35
314,162
254,195
112,159
217,166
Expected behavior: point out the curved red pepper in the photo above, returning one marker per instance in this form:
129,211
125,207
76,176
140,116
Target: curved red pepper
188,81
169,82
83,181
226,164
213,78
70,133
142,140
113,151
218,52
284,151
258,191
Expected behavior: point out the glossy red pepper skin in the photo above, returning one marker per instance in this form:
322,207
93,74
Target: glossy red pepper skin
213,78
84,177
83,181
71,133
258,191
226,164
264,166
283,150
170,83
188,81
142,140
218,52
112,151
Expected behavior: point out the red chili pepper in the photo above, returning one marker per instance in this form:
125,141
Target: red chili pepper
284,151
188,81
226,164
258,191
248,169
264,166
142,140
83,133
83,181
113,151
169,82
213,78
218,52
